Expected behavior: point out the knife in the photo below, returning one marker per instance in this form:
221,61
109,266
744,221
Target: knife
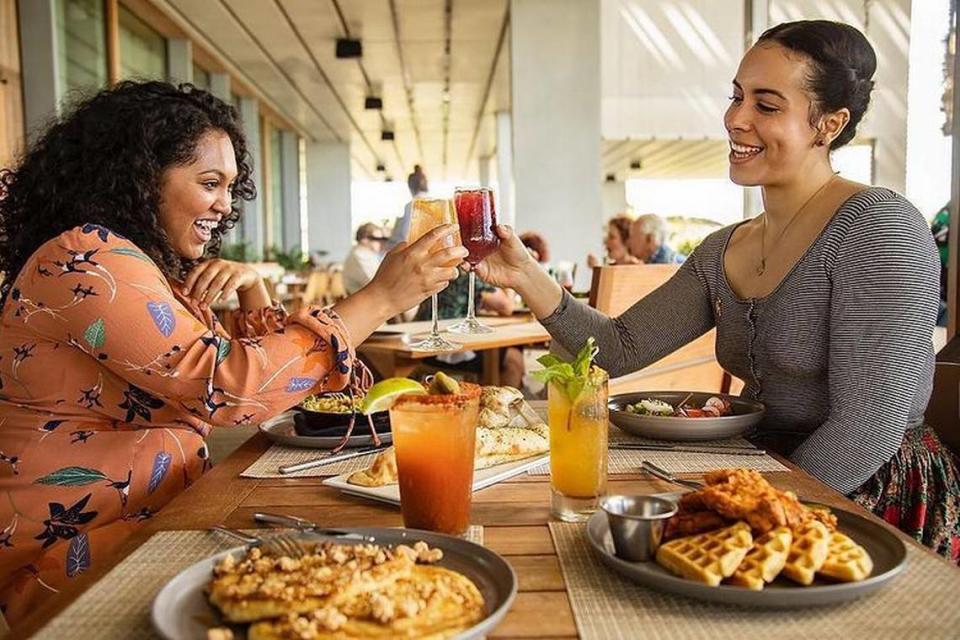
306,526
733,451
328,459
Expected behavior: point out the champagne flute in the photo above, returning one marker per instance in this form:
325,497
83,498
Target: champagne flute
477,217
425,215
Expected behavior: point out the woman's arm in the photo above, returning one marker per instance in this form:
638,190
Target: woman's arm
674,314
882,311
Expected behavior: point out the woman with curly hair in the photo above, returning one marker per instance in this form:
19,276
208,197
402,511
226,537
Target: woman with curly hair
113,369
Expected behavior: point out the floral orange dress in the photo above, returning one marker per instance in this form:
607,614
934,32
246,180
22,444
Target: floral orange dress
109,381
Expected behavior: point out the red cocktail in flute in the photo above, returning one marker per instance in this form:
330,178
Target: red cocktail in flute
477,218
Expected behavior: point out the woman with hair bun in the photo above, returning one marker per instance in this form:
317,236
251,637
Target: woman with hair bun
824,304
112,367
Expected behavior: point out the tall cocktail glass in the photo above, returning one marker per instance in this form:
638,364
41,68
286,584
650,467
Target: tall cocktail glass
435,437
578,447
477,218
425,215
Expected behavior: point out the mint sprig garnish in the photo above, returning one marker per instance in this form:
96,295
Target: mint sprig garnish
570,377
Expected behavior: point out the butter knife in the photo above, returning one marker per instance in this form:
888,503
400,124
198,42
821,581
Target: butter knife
328,459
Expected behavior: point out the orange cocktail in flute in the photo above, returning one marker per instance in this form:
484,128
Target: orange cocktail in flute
434,436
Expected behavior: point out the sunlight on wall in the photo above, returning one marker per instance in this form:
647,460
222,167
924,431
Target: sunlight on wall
719,200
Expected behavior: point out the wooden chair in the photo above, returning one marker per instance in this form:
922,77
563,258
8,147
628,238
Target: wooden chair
337,290
692,367
318,287
943,412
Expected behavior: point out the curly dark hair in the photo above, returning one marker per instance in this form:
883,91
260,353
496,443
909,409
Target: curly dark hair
103,163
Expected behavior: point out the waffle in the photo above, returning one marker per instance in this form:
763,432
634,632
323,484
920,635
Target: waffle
765,560
707,557
808,552
846,560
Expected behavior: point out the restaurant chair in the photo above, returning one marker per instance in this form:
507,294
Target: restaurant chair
693,367
337,290
317,289
943,412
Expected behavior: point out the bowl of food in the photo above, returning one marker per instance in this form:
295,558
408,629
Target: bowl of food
329,415
684,415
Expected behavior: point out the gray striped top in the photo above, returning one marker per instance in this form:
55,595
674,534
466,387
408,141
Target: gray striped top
840,352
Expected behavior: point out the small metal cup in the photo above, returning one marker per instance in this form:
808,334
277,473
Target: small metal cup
636,524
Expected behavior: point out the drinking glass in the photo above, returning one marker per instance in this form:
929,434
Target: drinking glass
477,218
435,438
425,215
578,448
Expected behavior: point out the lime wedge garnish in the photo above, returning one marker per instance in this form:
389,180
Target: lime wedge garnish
380,397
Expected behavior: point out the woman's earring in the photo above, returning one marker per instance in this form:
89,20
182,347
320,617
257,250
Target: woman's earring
821,142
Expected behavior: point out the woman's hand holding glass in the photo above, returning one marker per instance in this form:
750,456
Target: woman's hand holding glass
412,273
511,266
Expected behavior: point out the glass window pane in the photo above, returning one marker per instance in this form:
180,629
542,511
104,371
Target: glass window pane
276,189
81,45
201,77
143,51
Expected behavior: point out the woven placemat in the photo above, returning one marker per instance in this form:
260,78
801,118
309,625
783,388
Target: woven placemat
628,460
118,606
278,455
920,603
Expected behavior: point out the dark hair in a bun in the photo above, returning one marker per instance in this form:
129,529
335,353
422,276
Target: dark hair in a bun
842,64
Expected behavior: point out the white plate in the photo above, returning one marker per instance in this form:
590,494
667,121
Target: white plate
181,612
483,478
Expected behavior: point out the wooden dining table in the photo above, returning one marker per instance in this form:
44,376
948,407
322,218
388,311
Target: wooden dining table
389,350
514,514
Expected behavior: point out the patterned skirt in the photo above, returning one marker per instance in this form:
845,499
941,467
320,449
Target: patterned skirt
918,491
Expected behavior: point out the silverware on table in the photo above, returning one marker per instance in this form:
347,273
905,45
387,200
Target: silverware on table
278,544
306,526
666,476
689,448
328,459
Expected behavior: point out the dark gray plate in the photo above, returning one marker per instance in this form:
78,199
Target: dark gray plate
181,612
886,549
746,413
281,430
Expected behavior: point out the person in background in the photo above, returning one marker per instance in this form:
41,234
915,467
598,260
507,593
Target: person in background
536,245
940,227
452,304
616,242
417,183
364,259
647,241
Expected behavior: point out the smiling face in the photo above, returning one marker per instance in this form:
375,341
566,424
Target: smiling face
195,196
772,140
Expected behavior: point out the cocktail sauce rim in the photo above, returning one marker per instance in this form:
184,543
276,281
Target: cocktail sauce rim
472,392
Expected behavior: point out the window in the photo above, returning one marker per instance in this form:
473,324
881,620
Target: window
201,77
275,215
81,45
143,51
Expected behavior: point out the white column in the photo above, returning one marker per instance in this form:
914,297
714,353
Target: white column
179,60
252,223
329,211
555,53
290,175
39,64
220,86
506,193
483,170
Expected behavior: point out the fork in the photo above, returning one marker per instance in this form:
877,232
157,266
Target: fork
666,476
278,544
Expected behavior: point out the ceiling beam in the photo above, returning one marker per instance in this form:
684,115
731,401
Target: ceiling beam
486,90
405,74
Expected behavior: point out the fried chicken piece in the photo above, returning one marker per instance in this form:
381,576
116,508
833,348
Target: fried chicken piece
742,494
692,523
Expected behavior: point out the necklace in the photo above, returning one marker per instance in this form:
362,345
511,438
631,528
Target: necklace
762,267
